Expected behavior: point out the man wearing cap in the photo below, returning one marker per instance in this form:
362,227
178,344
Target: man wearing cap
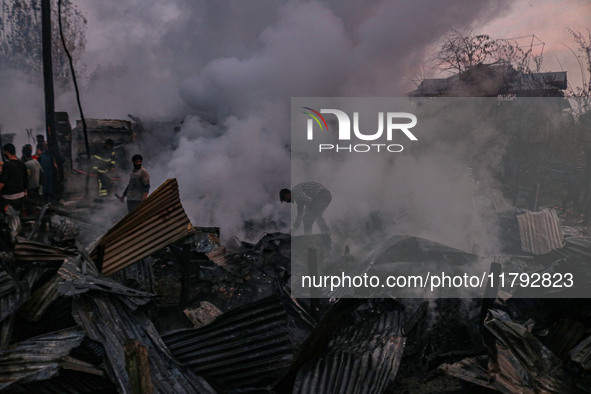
139,184
13,180
104,162
312,199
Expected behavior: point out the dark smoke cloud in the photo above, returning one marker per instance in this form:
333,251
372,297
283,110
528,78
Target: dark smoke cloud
236,64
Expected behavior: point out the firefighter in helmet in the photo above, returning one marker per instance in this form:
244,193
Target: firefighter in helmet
103,165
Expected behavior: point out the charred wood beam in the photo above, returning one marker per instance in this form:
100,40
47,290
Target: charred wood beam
138,367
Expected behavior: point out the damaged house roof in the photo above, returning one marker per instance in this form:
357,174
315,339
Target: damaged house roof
490,80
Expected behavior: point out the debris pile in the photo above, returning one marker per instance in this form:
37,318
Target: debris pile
157,305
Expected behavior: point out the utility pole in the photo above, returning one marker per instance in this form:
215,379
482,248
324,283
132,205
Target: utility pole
49,96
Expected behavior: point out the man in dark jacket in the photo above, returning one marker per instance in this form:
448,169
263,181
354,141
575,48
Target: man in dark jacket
13,180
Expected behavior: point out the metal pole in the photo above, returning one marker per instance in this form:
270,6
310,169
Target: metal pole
48,88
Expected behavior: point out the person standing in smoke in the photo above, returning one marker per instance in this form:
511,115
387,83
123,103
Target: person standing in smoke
311,199
48,180
34,170
103,164
139,184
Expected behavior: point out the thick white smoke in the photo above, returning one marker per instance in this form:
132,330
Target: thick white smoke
228,70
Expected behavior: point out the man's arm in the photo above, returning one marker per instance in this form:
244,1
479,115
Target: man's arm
146,184
122,197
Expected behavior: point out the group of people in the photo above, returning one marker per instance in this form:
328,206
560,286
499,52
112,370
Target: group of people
104,162
25,177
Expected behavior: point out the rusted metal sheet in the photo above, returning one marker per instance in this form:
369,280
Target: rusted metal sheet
25,250
140,274
582,354
575,247
157,222
521,354
474,370
79,276
100,129
107,320
520,362
205,314
245,347
109,314
40,300
540,231
37,358
361,358
13,293
71,382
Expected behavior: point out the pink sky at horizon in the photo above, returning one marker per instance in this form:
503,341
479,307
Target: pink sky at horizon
549,21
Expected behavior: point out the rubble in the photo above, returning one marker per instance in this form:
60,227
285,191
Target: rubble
156,304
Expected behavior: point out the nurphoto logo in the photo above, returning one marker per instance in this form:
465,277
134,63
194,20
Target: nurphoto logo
396,124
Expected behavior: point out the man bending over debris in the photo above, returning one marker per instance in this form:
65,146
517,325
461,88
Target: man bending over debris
312,199
139,184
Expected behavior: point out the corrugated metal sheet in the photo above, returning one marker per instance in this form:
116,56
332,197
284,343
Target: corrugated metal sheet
78,276
35,251
107,320
40,300
579,247
540,231
70,382
37,358
13,293
582,354
524,362
473,370
157,222
109,314
362,358
139,275
246,347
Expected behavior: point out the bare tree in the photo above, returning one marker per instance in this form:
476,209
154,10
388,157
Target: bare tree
460,51
581,95
20,36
